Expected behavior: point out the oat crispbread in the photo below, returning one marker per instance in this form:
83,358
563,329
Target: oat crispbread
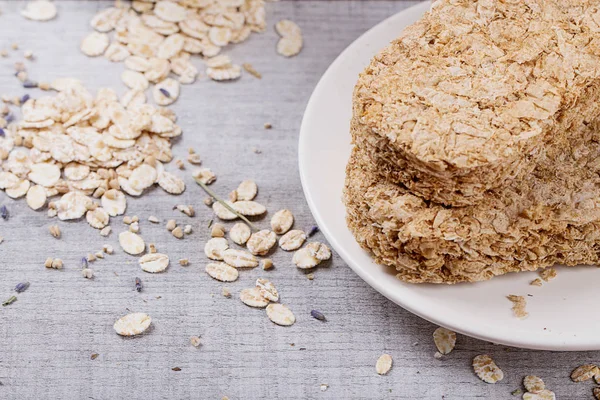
465,99
552,217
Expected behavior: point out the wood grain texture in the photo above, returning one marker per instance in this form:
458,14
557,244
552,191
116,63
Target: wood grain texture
48,335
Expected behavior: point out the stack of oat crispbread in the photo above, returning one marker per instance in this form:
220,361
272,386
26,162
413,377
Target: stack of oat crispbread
475,147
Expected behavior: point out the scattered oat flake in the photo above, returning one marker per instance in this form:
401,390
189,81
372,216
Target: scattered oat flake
222,272
533,383
154,263
249,208
384,364
584,373
252,297
229,73
444,340
280,314
282,221
289,46
39,10
267,289
536,282
222,212
36,197
95,44
131,243
304,259
292,240
247,190
544,394
239,259
319,250
215,247
166,92
240,233
261,242
519,304
132,324
170,11
171,183
285,28
486,369
548,274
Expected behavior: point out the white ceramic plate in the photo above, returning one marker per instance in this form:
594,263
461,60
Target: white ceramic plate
563,313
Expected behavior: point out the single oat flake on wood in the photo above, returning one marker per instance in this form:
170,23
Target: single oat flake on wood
584,372
39,10
240,233
154,262
131,243
384,364
444,340
267,289
132,324
252,297
222,272
280,314
544,394
533,383
292,240
486,369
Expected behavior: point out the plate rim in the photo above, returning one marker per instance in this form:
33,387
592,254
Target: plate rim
550,342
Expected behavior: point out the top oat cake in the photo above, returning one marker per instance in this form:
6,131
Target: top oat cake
465,96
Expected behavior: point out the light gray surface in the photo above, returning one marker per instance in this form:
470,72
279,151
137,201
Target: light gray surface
48,335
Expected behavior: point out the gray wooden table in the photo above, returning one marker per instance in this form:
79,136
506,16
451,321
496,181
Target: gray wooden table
49,334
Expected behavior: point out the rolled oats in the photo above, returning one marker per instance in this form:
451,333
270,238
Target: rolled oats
95,44
249,208
292,240
486,369
282,221
289,46
98,218
544,394
204,175
267,264
444,339
267,289
519,304
239,258
131,243
252,297
134,80
218,230
39,10
584,372
222,272
533,383
261,242
280,314
384,364
154,263
222,212
132,324
36,197
240,233
215,248
304,259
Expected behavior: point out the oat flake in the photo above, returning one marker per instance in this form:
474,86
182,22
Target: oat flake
95,44
444,340
36,197
384,364
132,324
544,394
222,212
252,297
155,262
247,190
170,11
486,369
166,92
170,183
39,10
215,247
261,242
131,243
584,373
114,202
267,289
282,221
239,258
319,250
240,233
280,314
533,383
249,208
222,272
304,259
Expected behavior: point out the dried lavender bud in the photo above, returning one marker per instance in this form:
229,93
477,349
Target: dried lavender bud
9,118
312,231
318,315
84,262
25,98
138,284
10,300
4,213
21,287
30,84
165,92
2,133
